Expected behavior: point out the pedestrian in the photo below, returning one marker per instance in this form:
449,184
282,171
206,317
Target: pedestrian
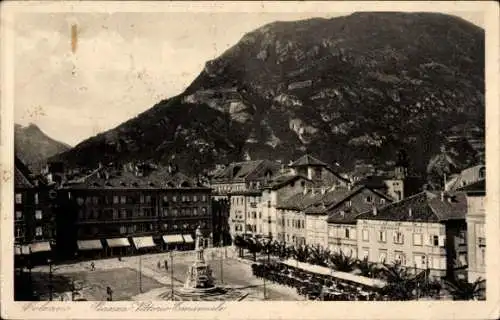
166,265
119,258
92,266
159,264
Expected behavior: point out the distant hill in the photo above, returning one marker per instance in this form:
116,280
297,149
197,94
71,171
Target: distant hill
34,147
358,87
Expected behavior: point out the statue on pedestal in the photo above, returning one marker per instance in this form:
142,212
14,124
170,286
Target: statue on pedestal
199,274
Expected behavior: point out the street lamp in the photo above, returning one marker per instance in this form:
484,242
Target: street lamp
221,265
50,278
140,273
172,274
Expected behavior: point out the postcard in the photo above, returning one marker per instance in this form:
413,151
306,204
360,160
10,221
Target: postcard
249,160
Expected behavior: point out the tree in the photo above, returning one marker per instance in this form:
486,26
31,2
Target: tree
241,244
401,285
318,256
462,290
301,253
367,268
254,247
342,262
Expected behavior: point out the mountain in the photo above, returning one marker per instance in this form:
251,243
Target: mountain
33,146
359,87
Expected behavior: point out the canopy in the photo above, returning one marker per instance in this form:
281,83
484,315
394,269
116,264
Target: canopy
143,242
188,238
336,274
173,238
40,247
89,245
118,242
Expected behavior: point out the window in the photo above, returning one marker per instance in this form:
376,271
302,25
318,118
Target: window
365,235
398,237
348,204
19,215
195,211
36,198
347,233
399,257
115,199
38,214
123,213
482,256
123,229
382,236
203,198
165,199
19,198
38,231
417,239
115,214
174,198
195,198
368,199
19,232
269,204
382,256
382,201
203,210
260,215
366,253
148,199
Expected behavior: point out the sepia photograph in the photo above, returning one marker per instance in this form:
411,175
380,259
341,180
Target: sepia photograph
208,154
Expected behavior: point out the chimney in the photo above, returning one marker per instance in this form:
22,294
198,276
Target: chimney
374,210
442,196
410,213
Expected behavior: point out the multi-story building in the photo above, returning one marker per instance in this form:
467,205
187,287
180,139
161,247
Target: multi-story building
220,221
33,215
241,184
476,237
421,232
307,173
342,230
467,176
118,212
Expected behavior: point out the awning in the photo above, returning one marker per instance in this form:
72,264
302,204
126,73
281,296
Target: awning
188,238
40,247
25,249
118,242
143,242
89,245
173,238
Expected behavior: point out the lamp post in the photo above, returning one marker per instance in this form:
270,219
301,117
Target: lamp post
172,274
140,273
221,264
50,279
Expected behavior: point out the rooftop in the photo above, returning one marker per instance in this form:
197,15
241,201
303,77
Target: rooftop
307,160
422,207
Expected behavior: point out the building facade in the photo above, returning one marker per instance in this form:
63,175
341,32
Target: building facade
120,213
34,227
342,230
421,232
476,234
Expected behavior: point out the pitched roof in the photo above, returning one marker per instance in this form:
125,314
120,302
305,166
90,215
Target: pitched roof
425,207
340,214
468,176
282,180
476,187
374,182
323,202
160,178
307,160
22,175
239,171
298,201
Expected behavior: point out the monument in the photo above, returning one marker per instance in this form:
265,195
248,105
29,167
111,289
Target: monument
199,278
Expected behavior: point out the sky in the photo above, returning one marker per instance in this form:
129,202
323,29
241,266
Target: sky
123,63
